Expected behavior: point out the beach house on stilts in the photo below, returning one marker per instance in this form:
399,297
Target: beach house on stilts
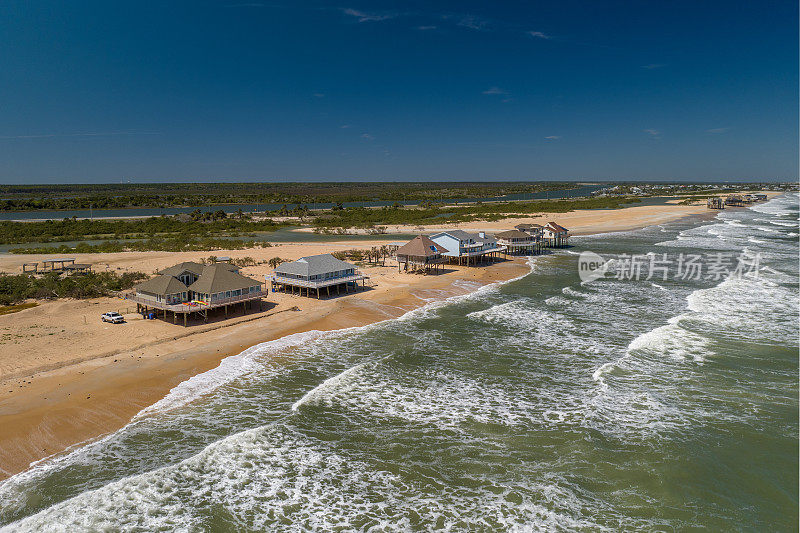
314,274
189,287
421,254
468,248
517,242
555,236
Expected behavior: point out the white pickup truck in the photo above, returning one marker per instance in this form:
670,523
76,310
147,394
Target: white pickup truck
113,317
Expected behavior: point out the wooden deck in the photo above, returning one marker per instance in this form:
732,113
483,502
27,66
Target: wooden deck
144,305
191,308
287,284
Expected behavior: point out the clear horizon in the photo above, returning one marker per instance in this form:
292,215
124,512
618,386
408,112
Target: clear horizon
218,91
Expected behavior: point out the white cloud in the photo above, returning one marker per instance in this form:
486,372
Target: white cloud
367,17
652,132
538,35
495,90
653,66
553,137
367,136
718,130
473,23
426,28
345,126
319,95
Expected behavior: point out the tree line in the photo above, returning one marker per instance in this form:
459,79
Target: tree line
15,288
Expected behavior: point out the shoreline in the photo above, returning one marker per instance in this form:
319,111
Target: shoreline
79,402
67,402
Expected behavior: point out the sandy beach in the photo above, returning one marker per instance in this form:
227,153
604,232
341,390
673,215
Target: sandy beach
66,377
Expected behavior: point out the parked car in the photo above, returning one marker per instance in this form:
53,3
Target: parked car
113,317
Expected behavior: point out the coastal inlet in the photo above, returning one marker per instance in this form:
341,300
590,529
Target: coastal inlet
542,403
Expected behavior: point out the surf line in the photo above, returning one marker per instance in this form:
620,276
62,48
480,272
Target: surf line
333,382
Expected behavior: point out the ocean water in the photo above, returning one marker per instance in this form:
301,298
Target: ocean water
543,403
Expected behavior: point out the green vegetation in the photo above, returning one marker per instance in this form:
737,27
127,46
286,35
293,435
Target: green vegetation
182,227
371,255
692,199
372,219
159,195
8,309
20,287
215,231
275,261
163,244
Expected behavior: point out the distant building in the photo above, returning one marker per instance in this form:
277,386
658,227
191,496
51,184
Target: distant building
516,241
195,288
715,203
534,230
421,253
734,200
555,236
467,247
316,272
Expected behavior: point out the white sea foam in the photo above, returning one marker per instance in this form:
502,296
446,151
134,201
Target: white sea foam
276,478
272,478
674,341
229,369
332,383
569,291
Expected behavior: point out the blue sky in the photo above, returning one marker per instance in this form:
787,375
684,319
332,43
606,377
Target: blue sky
251,90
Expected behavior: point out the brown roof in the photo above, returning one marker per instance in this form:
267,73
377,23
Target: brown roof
512,234
421,246
556,226
218,278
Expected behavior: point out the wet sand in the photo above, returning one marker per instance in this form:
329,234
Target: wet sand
65,377
54,409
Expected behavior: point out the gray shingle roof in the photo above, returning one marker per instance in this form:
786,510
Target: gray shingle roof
313,265
194,268
219,277
180,268
458,234
162,284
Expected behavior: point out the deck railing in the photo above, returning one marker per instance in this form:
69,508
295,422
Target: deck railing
315,284
482,251
190,307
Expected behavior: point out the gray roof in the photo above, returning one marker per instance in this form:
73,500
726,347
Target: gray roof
313,265
186,266
218,278
194,268
161,284
458,234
